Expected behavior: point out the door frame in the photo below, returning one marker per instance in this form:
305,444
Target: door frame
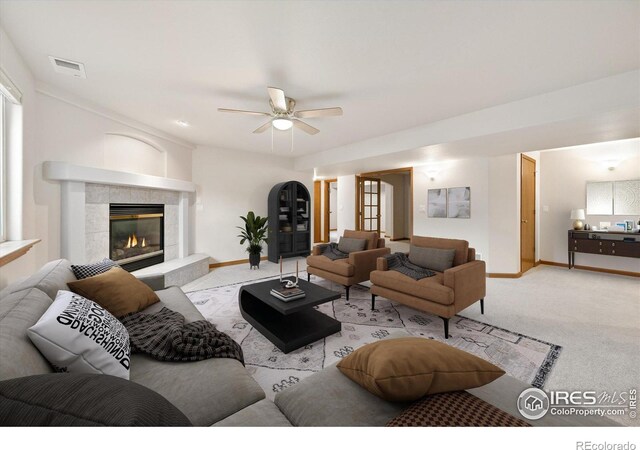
379,173
535,215
327,204
317,201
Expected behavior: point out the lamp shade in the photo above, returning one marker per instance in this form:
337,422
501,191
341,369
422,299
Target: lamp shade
577,214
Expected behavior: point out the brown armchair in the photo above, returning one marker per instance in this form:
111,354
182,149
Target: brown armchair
444,294
352,270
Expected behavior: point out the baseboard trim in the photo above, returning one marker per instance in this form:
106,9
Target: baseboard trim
537,263
504,275
235,262
593,269
400,239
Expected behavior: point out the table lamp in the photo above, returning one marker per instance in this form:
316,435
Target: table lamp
577,215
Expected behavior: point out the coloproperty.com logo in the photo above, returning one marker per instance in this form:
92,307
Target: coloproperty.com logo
534,403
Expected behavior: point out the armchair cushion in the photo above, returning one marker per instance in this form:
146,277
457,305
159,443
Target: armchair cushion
339,266
430,288
437,259
348,245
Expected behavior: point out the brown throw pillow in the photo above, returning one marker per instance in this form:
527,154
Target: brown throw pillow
407,369
117,291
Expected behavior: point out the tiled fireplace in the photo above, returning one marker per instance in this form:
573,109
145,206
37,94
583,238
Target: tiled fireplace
103,202
92,200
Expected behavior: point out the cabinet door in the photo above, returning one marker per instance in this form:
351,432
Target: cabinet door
619,248
587,246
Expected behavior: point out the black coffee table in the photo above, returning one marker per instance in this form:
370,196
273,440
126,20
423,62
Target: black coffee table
289,325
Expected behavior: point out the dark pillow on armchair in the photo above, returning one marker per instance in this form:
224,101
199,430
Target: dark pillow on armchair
65,399
437,259
349,245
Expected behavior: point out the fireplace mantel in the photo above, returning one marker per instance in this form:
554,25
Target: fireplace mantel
63,171
73,181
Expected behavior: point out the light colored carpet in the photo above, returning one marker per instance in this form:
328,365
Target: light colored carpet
523,357
593,316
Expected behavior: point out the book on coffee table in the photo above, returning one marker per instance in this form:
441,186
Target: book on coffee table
287,294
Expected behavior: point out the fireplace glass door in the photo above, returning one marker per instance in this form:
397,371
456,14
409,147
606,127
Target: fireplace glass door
136,235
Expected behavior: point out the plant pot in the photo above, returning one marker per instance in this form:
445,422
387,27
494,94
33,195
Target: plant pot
254,260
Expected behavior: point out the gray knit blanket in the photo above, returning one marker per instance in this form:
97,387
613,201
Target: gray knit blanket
165,336
400,263
331,251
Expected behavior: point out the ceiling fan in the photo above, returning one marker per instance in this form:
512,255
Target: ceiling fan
283,114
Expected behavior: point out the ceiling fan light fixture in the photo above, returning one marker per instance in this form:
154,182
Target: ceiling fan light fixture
281,124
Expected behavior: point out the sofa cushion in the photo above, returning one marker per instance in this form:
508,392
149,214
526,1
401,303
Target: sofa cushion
461,247
261,414
328,398
349,245
83,400
91,270
174,299
18,356
406,369
339,266
117,291
51,277
77,335
370,236
438,259
430,288
205,391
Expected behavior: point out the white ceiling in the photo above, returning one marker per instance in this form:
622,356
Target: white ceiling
390,65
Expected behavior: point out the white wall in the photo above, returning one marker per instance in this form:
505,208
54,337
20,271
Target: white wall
470,172
58,130
504,215
333,205
231,183
346,203
564,174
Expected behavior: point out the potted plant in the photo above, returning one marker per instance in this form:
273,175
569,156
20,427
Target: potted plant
253,232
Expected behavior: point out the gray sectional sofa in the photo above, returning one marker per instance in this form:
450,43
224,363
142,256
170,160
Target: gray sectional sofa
220,391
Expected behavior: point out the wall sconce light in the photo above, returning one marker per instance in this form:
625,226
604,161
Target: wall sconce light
432,173
611,164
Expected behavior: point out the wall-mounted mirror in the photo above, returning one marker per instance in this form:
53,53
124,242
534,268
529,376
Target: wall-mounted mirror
620,198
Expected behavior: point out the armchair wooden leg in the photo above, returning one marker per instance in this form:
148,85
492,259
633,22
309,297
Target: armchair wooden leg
346,290
446,327
308,276
373,302
481,306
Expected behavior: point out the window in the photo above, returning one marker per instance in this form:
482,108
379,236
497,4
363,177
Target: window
10,145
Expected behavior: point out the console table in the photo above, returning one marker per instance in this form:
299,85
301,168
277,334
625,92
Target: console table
613,243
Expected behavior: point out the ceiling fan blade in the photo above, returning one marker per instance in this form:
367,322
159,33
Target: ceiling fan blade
278,99
263,128
322,112
240,111
305,127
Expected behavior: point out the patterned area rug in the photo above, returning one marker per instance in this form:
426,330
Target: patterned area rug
522,357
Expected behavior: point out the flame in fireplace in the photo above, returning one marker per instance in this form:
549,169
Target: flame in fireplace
144,243
133,242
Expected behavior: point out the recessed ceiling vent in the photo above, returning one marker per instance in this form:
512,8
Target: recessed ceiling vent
68,67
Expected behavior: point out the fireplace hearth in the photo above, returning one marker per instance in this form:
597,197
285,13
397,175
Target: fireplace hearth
136,235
